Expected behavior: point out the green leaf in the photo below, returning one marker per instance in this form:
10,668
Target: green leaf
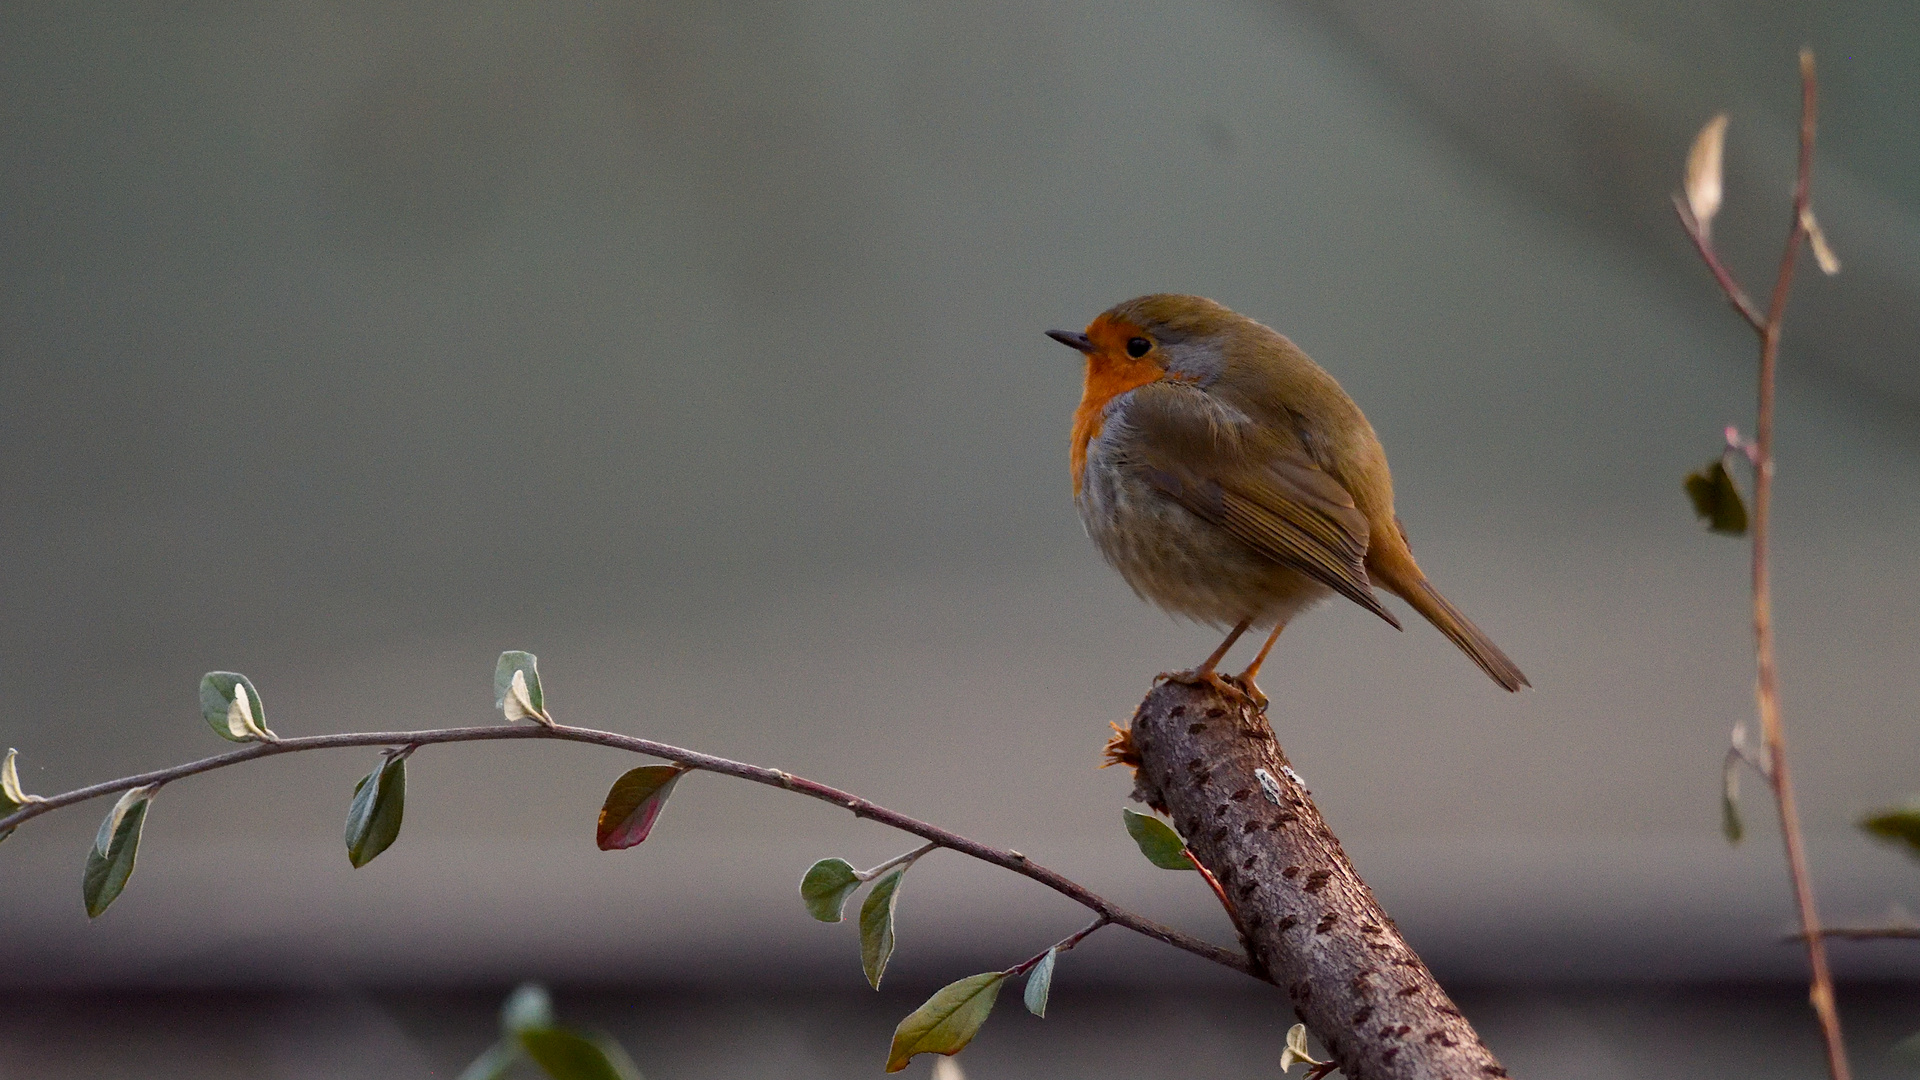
633,804
948,1021
373,817
1900,825
110,859
876,924
825,889
1158,842
1716,499
232,707
495,1062
564,1054
516,687
528,1007
1039,982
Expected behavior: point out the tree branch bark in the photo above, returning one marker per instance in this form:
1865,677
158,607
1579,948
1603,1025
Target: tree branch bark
1306,918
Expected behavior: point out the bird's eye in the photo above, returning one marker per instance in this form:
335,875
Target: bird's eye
1138,347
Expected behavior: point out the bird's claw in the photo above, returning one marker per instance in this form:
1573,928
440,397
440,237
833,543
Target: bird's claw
1226,685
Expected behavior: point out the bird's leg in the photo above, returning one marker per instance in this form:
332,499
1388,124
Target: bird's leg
1245,679
1205,673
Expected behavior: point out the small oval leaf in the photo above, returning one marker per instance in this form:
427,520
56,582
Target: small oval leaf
1039,983
1158,842
1900,825
826,887
232,707
1716,499
1703,172
1822,252
633,805
569,1055
374,816
948,1021
110,859
876,924
516,687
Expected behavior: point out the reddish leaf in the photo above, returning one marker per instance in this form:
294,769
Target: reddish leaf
633,805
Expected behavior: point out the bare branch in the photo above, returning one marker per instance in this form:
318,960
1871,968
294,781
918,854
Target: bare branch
1858,933
1735,294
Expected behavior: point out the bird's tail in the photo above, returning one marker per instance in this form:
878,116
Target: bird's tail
1460,629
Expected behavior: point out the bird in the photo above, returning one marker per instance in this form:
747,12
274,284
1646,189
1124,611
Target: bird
1230,480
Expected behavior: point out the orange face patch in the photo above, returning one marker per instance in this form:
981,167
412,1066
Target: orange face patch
1110,373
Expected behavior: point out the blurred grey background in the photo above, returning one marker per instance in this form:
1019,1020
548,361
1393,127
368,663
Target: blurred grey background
696,347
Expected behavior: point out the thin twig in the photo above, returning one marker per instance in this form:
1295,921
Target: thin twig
907,859
1728,285
1859,933
1062,945
1212,883
1006,860
1773,736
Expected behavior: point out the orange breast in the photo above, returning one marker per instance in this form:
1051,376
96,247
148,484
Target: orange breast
1110,373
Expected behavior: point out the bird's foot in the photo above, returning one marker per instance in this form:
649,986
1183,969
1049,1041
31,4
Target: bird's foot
1226,685
1250,690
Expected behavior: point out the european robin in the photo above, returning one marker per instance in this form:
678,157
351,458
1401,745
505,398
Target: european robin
1231,481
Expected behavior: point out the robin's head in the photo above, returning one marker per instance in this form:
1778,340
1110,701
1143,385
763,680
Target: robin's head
1145,340
1153,337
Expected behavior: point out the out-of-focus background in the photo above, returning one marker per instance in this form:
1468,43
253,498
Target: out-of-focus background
696,347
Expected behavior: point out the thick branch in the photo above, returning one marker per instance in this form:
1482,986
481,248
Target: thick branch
1008,860
1304,914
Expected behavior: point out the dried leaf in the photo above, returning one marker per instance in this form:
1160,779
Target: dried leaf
634,803
826,887
1703,173
948,1021
11,796
1296,1051
1158,842
876,924
1716,499
1817,237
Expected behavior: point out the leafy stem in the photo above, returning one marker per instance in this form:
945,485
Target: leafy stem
907,859
1061,946
1696,209
935,836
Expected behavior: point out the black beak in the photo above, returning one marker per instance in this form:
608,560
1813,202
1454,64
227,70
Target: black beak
1071,340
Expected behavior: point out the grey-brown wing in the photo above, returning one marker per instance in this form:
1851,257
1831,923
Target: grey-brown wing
1263,491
